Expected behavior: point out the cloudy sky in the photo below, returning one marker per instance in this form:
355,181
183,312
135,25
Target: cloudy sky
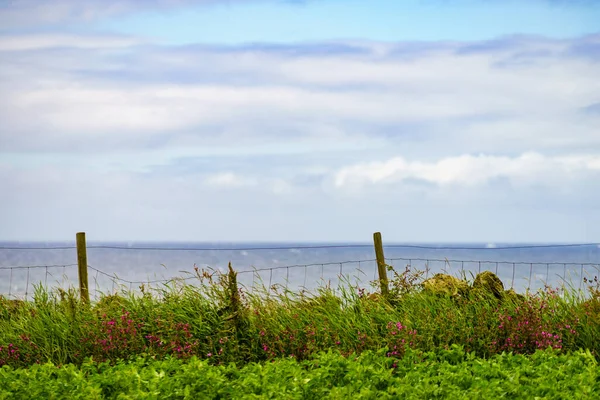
291,120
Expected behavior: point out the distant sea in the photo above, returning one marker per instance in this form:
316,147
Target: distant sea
294,265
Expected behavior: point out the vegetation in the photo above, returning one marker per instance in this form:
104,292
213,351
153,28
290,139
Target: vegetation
216,321
450,373
441,335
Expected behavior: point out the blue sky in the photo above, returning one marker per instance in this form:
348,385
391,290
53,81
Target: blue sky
385,20
325,120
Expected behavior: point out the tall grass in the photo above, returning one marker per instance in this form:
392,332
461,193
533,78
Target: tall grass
213,319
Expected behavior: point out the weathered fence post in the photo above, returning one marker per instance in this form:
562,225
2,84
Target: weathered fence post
381,265
82,267
235,302
234,294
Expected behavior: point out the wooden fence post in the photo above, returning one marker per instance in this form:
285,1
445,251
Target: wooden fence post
234,294
381,266
235,302
82,267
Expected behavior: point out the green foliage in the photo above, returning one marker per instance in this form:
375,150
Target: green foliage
216,321
451,373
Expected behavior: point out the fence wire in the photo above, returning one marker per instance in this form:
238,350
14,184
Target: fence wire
531,275
21,278
302,247
16,281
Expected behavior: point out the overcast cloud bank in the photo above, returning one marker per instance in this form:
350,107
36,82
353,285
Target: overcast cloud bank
452,141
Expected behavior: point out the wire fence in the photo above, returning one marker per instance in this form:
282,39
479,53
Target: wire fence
298,277
21,279
126,269
519,275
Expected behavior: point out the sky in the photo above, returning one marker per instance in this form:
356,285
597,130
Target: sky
314,121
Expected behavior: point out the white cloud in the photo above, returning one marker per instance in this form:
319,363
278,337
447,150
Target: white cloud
469,170
19,13
48,41
281,187
229,179
246,139
126,96
53,203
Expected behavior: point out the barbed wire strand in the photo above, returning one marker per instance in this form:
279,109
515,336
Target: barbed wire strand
512,284
113,277
270,279
530,275
444,260
10,283
304,265
27,284
96,284
38,248
374,273
305,273
300,247
38,266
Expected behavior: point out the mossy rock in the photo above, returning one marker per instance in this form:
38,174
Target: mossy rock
375,296
373,301
320,302
487,282
513,296
444,284
111,302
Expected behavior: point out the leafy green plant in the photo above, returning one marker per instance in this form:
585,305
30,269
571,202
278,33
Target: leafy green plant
451,373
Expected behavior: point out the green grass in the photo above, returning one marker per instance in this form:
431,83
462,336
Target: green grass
443,374
214,321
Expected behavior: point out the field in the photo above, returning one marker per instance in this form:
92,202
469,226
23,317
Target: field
451,339
450,374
